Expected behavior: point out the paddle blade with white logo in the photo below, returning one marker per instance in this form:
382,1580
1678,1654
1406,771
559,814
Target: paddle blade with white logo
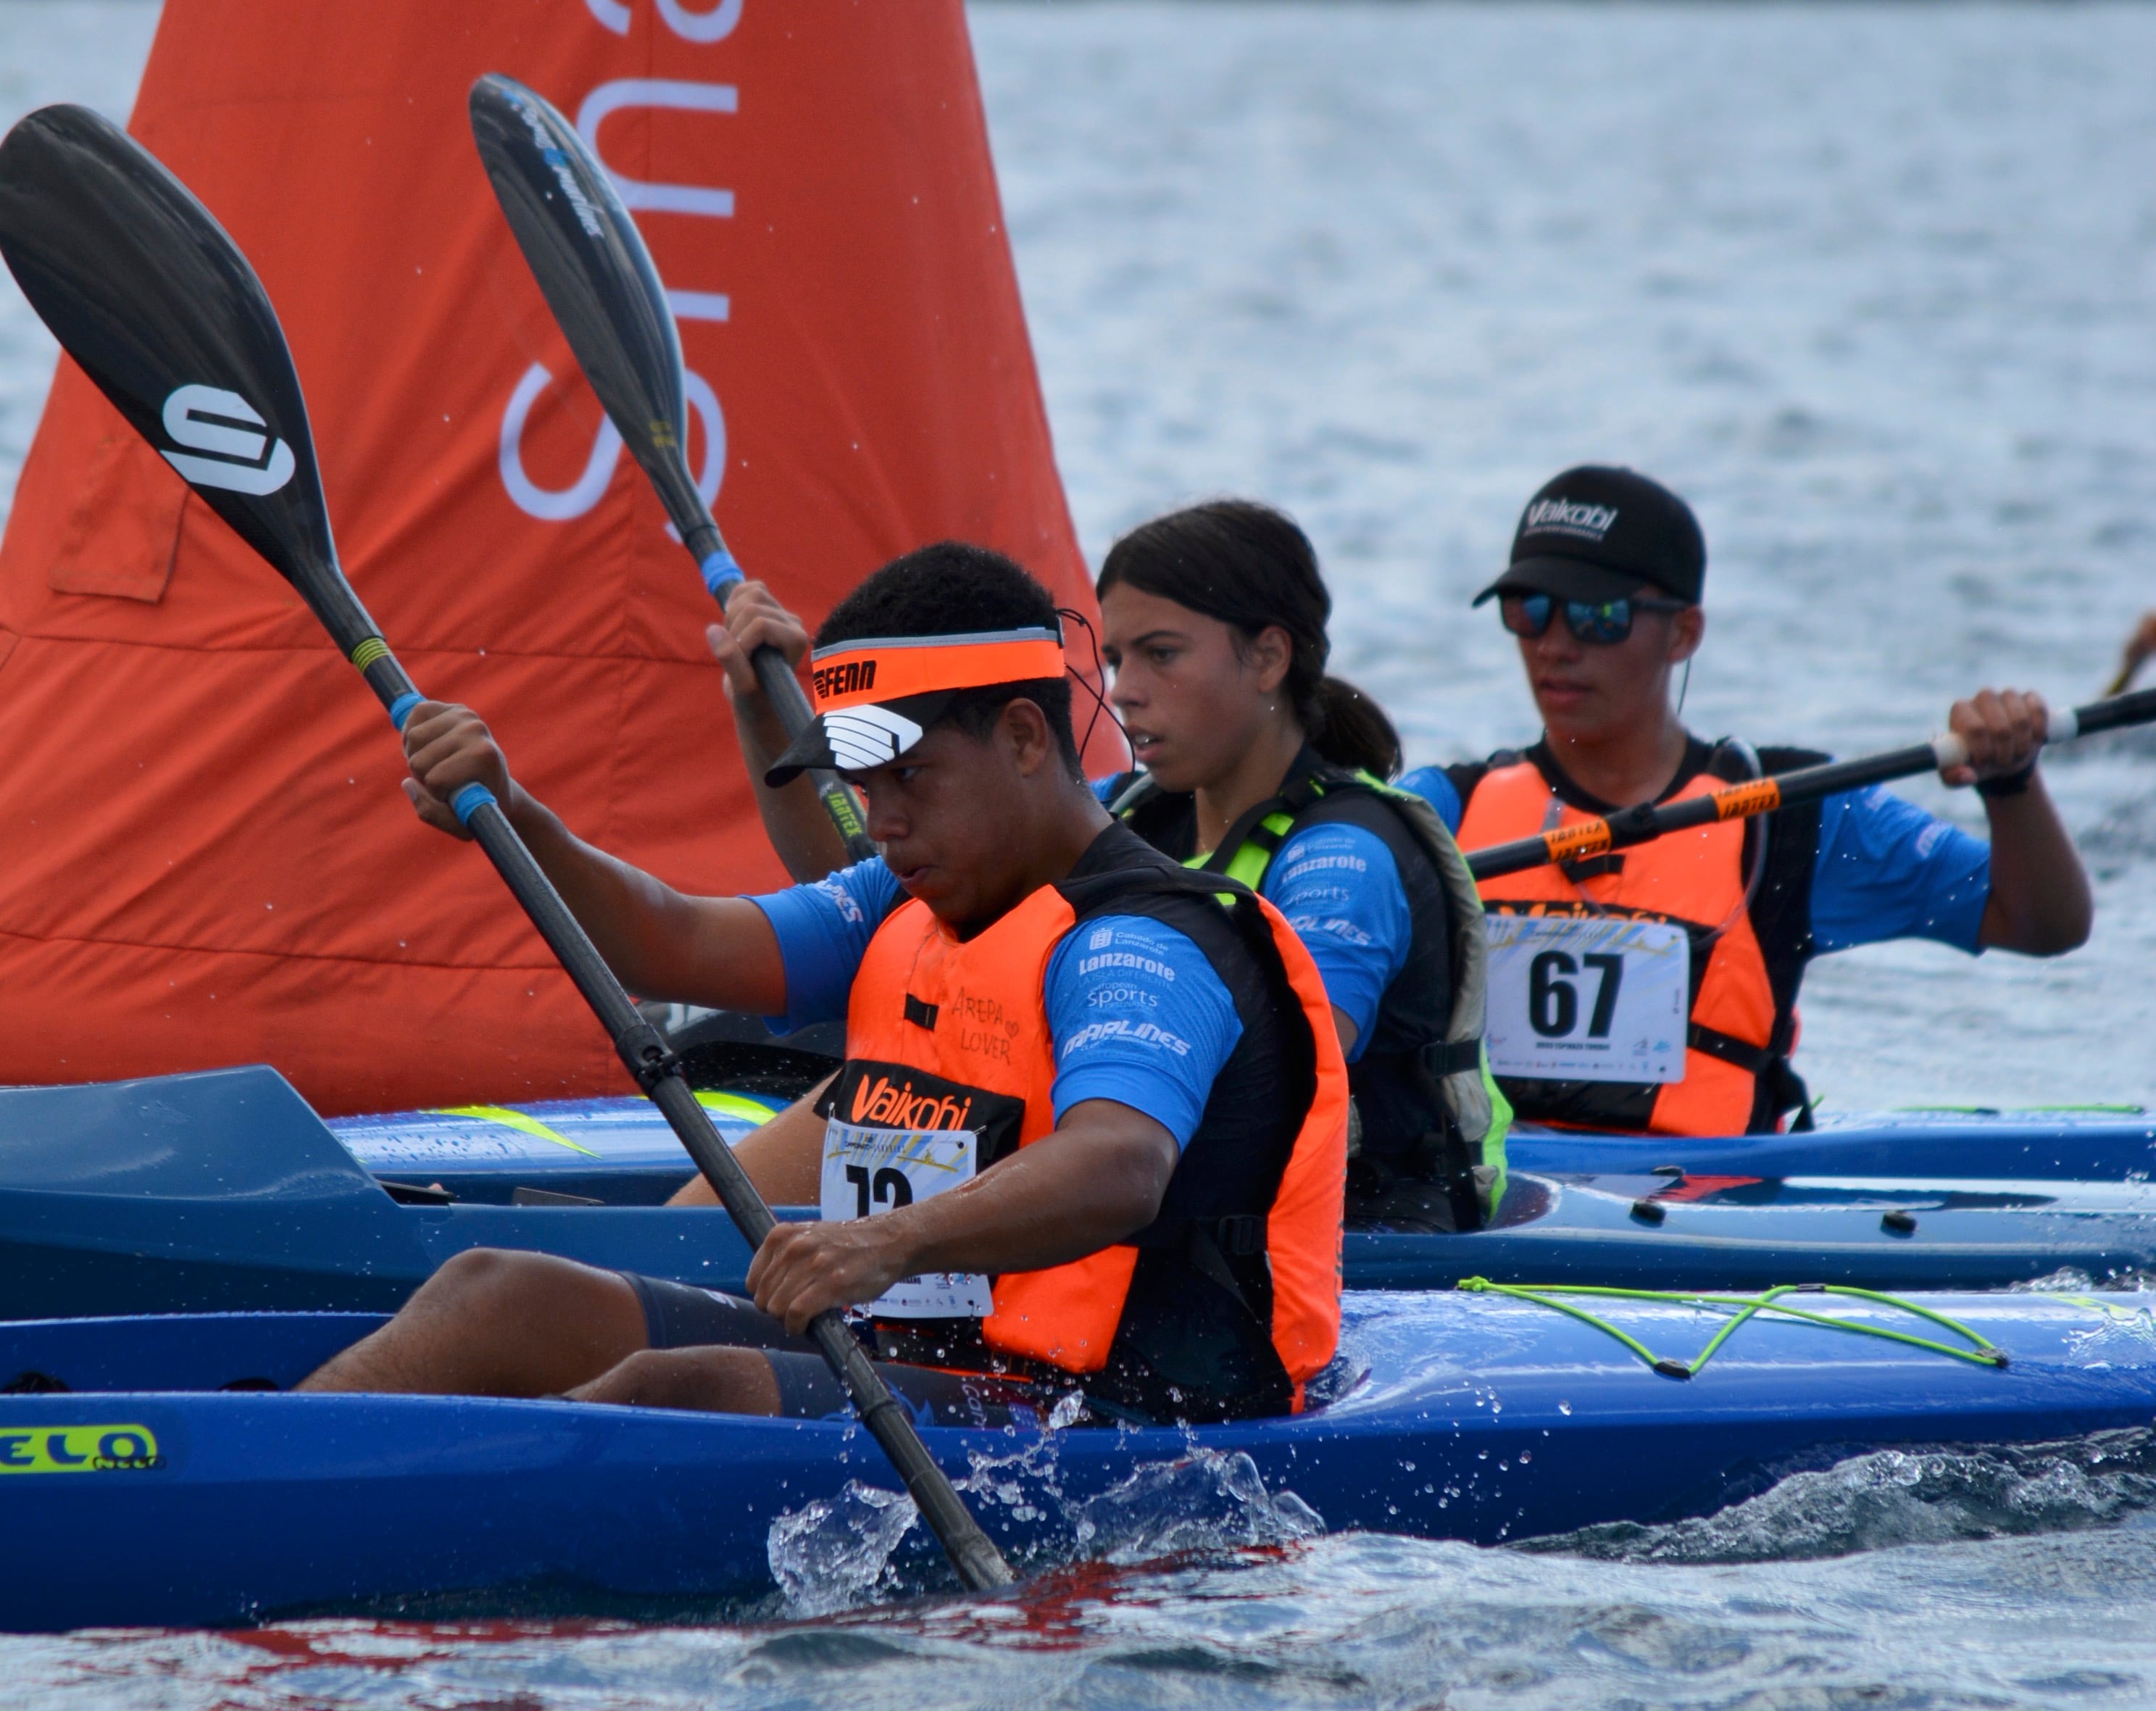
597,276
154,302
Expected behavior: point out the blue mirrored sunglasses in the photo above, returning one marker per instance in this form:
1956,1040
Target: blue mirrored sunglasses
1597,623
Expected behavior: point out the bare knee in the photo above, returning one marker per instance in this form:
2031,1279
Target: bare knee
709,1380
484,1286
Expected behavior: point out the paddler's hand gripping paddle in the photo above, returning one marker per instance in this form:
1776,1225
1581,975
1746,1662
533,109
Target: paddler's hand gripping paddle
148,294
1651,820
598,277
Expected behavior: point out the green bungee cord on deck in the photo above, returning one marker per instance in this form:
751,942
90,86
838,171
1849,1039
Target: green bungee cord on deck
1983,1352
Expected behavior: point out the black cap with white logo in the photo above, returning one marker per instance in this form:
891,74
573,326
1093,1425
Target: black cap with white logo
1596,534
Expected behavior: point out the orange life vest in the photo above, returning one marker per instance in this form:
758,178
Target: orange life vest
942,1032
1695,879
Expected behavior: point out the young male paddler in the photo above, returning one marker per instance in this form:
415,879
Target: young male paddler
1259,765
1090,1128
1656,988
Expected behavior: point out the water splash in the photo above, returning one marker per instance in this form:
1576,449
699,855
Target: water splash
1206,1501
1899,1497
836,1552
862,1547
2071,1280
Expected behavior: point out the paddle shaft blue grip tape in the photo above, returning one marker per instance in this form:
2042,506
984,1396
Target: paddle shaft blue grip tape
720,571
400,709
468,802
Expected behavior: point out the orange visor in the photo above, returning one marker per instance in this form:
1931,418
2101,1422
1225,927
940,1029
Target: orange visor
850,673
875,699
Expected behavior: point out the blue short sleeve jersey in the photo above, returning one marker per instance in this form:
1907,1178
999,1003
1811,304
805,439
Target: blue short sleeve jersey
1885,869
1136,1013
1339,888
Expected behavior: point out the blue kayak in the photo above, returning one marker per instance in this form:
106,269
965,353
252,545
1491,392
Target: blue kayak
146,1493
223,1191
620,1151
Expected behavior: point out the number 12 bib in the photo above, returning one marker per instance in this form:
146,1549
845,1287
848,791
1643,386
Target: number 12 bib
1588,998
869,1170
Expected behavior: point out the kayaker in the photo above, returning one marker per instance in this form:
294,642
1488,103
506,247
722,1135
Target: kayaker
1090,1129
1656,989
1258,765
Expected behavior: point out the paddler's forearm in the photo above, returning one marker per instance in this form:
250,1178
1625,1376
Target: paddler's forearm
719,952
2040,903
793,819
1098,1179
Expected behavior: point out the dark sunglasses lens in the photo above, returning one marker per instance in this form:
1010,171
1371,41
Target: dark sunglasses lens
1525,614
1600,621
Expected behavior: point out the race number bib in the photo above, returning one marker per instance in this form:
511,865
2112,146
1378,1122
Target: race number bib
869,1170
1589,998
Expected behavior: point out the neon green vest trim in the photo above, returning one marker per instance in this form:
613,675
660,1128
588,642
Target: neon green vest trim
1248,865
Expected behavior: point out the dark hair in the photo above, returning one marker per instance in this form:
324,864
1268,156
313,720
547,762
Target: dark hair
951,588
1250,565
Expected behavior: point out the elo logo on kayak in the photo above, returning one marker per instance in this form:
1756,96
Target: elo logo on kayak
222,425
78,1449
870,1170
1588,998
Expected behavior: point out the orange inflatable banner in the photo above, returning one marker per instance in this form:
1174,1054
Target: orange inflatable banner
208,859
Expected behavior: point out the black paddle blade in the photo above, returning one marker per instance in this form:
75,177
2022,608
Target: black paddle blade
596,277
153,299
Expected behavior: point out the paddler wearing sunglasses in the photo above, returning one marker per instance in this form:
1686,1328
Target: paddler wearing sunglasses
1090,1131
1654,989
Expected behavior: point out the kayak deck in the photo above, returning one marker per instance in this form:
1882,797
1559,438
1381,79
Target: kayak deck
620,1151
223,1191
1449,1415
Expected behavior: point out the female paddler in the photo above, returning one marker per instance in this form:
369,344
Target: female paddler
1257,764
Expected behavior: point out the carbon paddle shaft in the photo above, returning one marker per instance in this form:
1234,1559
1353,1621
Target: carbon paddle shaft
157,304
597,277
1651,820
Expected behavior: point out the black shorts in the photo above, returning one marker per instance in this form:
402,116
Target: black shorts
681,1316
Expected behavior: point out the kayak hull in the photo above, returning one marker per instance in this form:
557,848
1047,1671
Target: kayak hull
224,1192
1458,1416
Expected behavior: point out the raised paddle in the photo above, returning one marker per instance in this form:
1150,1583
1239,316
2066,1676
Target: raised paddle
597,276
148,294
1651,821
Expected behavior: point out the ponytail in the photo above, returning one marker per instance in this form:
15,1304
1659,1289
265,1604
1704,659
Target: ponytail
1353,731
1249,565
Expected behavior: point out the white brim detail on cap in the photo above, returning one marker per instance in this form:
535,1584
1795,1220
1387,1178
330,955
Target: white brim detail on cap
865,737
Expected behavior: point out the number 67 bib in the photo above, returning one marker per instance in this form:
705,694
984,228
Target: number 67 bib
1588,998
870,1170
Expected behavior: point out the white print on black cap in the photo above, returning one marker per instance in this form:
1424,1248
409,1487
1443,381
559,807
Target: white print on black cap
867,736
1566,517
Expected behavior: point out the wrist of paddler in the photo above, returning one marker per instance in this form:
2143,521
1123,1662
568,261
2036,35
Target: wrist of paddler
761,736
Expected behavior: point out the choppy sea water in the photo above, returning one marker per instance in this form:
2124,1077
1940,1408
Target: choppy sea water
1875,287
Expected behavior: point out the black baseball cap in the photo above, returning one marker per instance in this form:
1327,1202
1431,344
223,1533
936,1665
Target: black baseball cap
1596,533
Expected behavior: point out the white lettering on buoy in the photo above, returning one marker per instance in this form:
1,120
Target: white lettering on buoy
610,98
560,504
551,505
712,26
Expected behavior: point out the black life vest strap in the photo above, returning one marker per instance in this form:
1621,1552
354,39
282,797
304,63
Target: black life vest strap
1442,1060
1773,1067
1752,1060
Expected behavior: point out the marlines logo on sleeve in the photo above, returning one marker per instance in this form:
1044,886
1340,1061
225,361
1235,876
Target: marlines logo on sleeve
1565,516
208,418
